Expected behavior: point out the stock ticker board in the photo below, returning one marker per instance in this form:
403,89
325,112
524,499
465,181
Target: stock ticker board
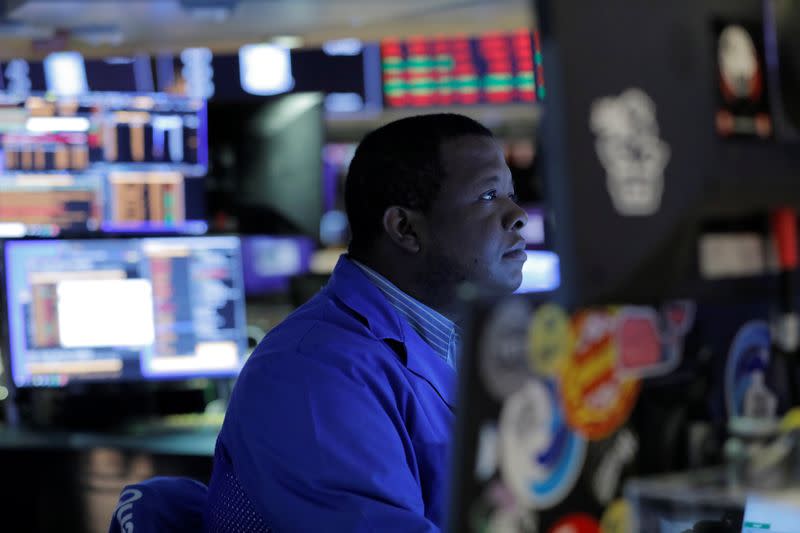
493,68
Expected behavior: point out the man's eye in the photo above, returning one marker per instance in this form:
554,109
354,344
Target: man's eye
513,197
489,195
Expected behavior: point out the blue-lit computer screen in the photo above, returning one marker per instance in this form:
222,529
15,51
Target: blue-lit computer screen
124,309
271,261
777,513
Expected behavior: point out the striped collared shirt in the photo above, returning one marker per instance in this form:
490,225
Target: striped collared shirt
439,332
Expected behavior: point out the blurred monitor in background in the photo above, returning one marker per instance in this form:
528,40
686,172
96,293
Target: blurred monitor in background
266,167
271,261
89,146
336,157
123,309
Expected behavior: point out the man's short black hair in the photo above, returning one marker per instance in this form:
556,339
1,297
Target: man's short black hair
399,164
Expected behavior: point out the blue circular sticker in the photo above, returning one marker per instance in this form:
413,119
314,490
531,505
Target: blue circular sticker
541,457
747,392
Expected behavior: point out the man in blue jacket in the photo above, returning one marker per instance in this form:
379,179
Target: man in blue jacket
341,419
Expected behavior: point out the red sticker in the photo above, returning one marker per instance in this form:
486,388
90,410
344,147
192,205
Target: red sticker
576,523
597,400
638,339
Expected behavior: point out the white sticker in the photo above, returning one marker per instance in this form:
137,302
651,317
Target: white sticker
486,454
607,476
732,255
503,348
631,151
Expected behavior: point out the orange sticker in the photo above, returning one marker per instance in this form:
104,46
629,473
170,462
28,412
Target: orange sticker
597,400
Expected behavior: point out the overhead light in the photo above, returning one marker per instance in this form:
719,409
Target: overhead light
344,102
65,73
287,41
265,69
119,60
343,47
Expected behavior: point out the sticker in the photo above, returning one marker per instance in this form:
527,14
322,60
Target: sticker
597,400
638,341
540,457
742,98
618,518
576,523
486,454
605,481
498,511
503,348
791,420
631,151
732,255
550,340
650,344
746,390
512,520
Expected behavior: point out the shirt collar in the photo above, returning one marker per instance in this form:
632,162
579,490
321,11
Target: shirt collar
438,331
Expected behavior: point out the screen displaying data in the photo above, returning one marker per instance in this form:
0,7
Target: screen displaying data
493,68
124,309
110,162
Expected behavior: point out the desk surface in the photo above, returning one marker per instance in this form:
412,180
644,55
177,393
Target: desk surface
184,441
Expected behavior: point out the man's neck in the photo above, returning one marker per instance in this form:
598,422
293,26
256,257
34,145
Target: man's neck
404,277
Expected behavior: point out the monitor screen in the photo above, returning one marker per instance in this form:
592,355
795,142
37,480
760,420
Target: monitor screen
270,261
779,513
124,309
540,272
111,162
493,68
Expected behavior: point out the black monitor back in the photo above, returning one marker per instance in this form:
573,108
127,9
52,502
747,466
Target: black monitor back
659,62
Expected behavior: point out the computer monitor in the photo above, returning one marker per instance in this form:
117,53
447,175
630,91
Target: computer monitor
271,261
120,310
102,162
772,512
266,160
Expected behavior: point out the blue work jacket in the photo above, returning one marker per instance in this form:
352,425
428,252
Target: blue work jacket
341,420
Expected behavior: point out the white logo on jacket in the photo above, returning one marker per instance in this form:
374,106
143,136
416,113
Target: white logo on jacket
126,500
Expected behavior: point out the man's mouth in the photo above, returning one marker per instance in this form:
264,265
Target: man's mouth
516,252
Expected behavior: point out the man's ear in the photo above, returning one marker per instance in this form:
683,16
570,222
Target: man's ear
403,226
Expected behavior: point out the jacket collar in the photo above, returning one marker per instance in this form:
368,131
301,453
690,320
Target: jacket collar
352,287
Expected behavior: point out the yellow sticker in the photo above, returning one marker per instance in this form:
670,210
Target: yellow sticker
550,340
791,420
618,518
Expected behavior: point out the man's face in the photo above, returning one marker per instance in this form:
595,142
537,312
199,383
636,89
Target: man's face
475,222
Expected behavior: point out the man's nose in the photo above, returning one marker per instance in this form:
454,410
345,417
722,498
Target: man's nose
516,218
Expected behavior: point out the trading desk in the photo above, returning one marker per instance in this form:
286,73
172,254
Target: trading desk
70,481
